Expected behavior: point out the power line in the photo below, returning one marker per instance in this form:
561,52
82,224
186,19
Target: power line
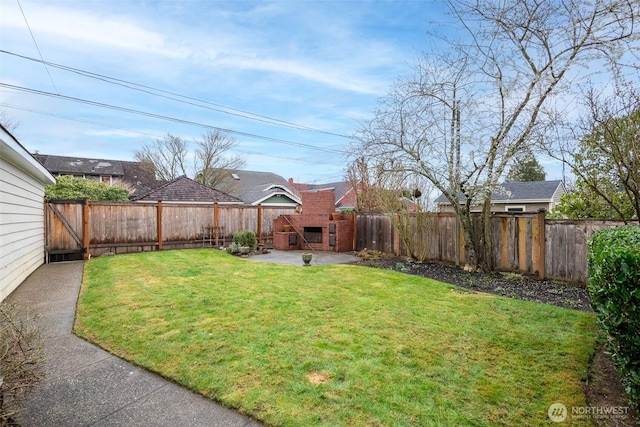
167,118
74,119
172,96
37,47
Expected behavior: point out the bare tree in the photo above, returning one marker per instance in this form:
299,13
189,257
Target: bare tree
212,161
8,122
466,112
166,157
381,189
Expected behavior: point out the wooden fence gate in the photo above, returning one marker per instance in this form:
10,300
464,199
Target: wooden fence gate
63,230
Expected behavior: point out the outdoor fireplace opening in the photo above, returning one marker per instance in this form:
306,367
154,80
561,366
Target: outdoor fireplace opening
313,234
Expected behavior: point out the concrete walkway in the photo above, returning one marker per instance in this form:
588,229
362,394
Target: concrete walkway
86,386
295,257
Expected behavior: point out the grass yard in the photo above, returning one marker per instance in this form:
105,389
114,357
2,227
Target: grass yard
336,345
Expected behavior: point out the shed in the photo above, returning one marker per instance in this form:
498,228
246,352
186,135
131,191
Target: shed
22,240
515,196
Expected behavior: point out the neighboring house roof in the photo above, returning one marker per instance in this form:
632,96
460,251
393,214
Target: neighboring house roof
254,188
79,165
141,179
519,192
183,189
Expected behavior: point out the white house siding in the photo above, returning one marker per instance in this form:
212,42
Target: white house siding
555,200
21,214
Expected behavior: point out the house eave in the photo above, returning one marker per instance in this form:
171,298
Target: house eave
292,197
11,151
506,201
521,201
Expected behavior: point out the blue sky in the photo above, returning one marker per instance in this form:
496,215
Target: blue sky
315,64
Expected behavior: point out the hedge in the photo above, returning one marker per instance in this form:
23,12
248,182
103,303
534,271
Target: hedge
614,287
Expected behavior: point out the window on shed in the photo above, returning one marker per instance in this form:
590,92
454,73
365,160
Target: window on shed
514,208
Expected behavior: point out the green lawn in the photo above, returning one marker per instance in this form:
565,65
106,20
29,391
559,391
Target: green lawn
336,345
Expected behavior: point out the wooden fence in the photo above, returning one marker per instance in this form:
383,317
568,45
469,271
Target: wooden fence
525,243
96,228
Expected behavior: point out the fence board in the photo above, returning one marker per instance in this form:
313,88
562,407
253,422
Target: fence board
515,240
59,238
133,227
126,227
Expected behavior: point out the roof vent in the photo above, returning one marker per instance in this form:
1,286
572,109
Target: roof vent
235,176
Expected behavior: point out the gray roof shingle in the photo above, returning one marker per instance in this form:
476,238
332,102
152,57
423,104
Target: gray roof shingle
183,189
79,165
252,186
520,191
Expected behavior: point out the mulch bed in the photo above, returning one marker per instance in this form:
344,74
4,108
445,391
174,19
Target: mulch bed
602,387
573,296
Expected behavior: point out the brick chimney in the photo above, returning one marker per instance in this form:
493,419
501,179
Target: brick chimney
318,202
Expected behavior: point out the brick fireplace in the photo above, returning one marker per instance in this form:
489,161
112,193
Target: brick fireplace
318,227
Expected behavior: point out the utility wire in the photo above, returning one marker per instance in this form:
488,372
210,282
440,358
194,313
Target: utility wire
168,118
37,48
172,96
60,116
74,119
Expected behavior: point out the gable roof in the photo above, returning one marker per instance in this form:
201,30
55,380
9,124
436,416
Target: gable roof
529,191
253,187
183,189
518,192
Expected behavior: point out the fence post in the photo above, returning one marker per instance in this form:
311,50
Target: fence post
541,244
522,243
396,235
259,228
216,222
46,230
85,230
159,224
355,229
504,243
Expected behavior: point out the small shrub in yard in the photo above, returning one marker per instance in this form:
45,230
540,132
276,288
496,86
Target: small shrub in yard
245,238
233,248
21,359
614,287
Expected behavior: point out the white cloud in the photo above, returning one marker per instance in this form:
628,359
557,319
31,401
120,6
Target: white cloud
77,27
320,64
227,43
